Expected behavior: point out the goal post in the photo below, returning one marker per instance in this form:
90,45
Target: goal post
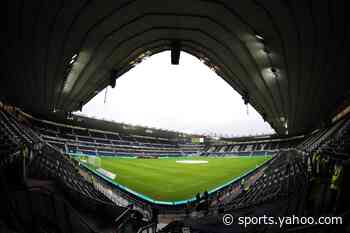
95,161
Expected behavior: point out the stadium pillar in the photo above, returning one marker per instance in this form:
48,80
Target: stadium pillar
81,104
175,52
113,78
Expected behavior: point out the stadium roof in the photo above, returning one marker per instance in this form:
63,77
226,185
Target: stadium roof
287,58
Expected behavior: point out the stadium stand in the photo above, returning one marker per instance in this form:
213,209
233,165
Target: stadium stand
76,140
256,147
288,60
95,142
42,190
304,181
303,178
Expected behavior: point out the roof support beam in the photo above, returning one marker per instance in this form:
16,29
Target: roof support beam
175,52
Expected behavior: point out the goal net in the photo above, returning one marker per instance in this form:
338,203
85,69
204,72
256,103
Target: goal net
94,161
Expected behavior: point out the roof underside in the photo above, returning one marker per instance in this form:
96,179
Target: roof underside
304,42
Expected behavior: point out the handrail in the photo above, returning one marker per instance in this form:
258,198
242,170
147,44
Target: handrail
122,215
149,226
16,129
13,137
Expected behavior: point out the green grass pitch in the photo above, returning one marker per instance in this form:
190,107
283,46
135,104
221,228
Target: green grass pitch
165,180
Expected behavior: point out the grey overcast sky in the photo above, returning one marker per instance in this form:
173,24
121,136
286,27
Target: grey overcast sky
189,98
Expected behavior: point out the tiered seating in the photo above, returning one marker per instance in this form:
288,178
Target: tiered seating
334,141
339,146
327,153
190,148
319,137
50,195
41,210
272,193
11,128
95,142
278,181
51,165
286,187
12,141
285,180
262,147
281,188
8,141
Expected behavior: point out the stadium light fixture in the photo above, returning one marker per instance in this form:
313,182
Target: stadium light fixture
70,77
141,56
74,69
204,59
73,59
259,37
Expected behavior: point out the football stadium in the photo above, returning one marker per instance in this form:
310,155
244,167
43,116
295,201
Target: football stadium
63,171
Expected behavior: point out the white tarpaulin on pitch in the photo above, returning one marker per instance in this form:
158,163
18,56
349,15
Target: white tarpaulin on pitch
192,161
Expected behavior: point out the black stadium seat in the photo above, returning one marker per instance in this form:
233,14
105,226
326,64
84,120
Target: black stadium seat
65,203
